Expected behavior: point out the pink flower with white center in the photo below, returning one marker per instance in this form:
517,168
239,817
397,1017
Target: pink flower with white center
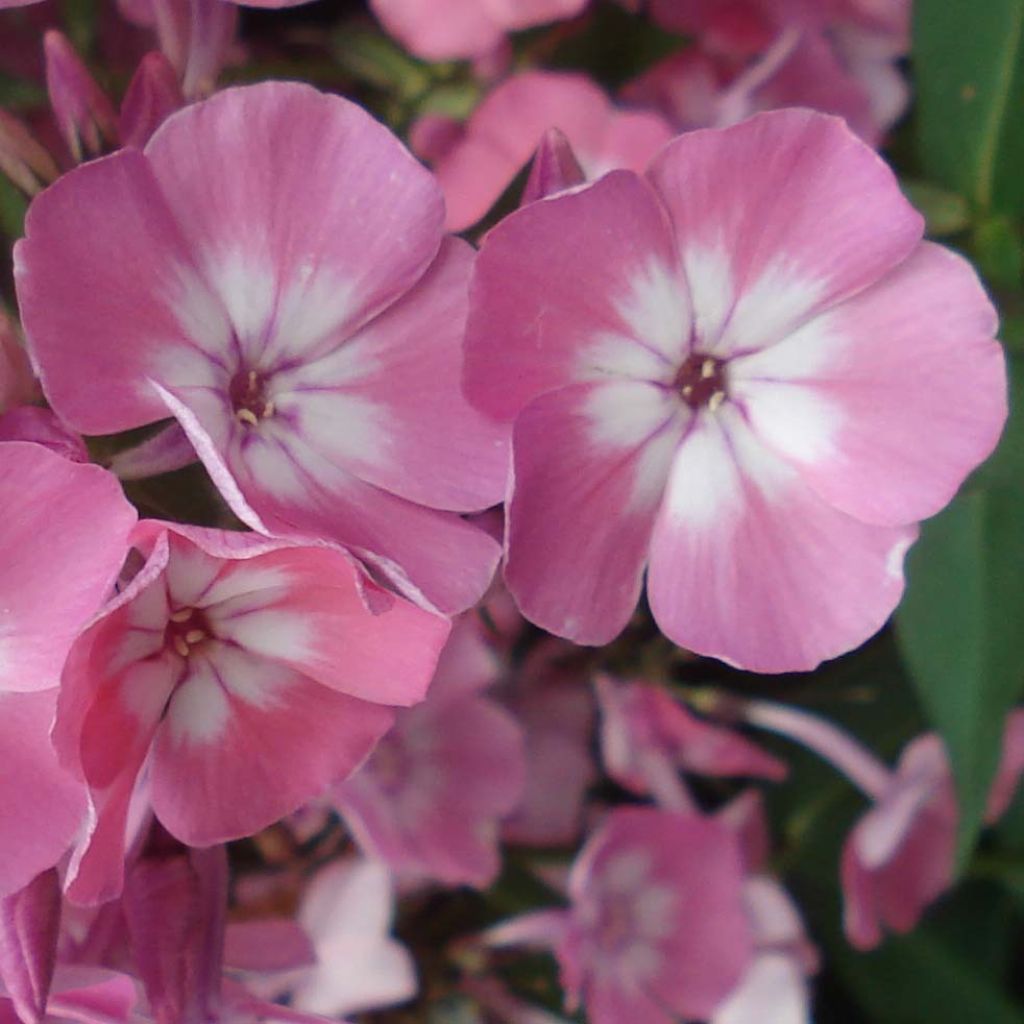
477,163
429,800
274,273
657,928
242,675
453,29
751,385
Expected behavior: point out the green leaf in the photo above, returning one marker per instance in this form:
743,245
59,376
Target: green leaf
960,628
945,212
996,244
969,71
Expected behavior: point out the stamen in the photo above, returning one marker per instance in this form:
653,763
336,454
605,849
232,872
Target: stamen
180,646
181,616
193,636
246,416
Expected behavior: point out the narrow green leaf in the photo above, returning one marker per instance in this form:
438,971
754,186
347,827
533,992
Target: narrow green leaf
997,248
961,635
969,71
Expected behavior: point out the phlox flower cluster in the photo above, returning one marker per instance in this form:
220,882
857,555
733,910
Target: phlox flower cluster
392,622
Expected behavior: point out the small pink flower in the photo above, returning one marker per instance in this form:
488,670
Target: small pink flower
657,929
430,799
243,676
453,29
899,858
715,376
505,130
271,268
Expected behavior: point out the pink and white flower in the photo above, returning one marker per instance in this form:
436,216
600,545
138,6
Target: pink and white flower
478,161
452,29
242,676
752,385
657,928
430,799
271,268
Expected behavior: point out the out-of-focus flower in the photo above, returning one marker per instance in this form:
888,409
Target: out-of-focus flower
430,798
646,733
303,321
476,164
753,55
246,675
152,96
657,929
697,359
347,911
452,29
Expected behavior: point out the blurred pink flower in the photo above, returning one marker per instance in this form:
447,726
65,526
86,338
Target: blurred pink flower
430,799
244,675
249,272
697,360
657,929
454,29
476,163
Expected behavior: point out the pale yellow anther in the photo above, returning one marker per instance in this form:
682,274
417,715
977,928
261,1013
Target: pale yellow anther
687,390
716,400
246,416
180,646
269,408
181,616
707,369
193,636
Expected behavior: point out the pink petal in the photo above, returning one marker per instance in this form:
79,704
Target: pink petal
1011,767
440,452
276,744
277,188
821,218
725,551
888,400
303,607
96,346
55,569
446,30
587,492
554,281
268,945
29,926
43,805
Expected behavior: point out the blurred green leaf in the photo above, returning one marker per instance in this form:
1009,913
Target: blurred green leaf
945,212
969,69
12,209
960,628
997,248
1006,466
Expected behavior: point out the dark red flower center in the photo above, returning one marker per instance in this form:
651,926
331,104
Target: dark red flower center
701,381
249,398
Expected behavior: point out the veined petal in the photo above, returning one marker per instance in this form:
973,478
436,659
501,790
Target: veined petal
590,466
820,218
274,747
749,565
888,400
577,287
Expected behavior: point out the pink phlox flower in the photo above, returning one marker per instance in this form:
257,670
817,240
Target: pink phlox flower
747,355
305,329
246,675
455,29
899,857
505,130
657,929
642,723
430,799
